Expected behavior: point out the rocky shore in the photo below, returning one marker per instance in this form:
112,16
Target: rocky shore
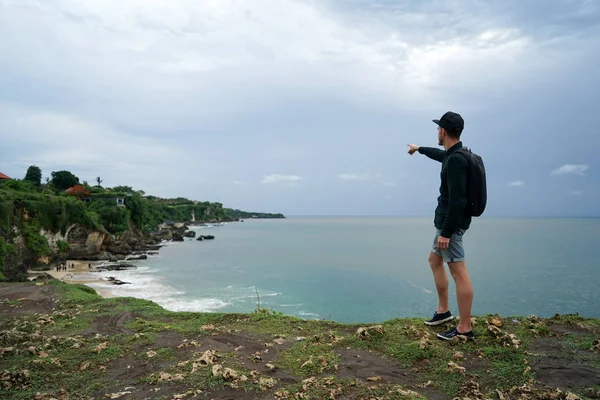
86,245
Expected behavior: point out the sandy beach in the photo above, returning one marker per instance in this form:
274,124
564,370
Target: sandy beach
79,273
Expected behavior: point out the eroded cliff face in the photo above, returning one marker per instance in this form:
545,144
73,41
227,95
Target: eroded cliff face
84,242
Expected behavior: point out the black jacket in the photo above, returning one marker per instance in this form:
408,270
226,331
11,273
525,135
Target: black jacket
450,213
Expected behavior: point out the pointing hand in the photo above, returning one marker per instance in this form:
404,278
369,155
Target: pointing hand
412,149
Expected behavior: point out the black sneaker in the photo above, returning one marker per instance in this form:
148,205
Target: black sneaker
453,333
439,319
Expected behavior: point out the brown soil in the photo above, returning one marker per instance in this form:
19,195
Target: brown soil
109,325
25,298
565,330
363,364
559,365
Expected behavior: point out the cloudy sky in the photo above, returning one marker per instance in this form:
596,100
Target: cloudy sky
306,107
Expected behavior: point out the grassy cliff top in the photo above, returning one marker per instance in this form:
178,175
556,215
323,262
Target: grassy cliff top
64,341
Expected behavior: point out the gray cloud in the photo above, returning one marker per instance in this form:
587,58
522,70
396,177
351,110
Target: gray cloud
194,98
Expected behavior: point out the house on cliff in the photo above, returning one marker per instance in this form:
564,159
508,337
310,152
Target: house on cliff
4,177
85,195
78,191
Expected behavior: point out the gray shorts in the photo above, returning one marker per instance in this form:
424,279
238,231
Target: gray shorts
455,251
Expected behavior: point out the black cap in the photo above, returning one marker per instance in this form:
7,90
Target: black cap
451,122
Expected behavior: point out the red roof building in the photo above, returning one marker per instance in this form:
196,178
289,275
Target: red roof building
2,176
77,190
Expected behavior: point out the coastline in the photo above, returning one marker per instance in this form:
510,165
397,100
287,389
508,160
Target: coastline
79,274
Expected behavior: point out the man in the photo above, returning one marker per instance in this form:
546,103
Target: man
451,222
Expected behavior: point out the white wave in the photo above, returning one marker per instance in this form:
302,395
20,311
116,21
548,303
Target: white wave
414,286
269,294
195,305
253,296
146,284
291,305
308,314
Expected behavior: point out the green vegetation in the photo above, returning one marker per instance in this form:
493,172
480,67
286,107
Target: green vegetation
30,209
34,175
62,180
94,347
233,213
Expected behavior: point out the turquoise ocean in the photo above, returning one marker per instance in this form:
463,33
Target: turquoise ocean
371,269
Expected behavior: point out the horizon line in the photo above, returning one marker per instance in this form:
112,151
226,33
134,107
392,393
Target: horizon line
428,216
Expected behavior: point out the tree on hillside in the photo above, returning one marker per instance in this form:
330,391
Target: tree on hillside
34,175
62,180
122,189
98,181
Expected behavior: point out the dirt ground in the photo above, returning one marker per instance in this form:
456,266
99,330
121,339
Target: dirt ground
365,370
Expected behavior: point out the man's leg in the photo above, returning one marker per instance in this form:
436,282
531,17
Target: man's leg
464,294
441,281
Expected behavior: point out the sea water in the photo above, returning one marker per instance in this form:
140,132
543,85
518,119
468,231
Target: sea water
370,269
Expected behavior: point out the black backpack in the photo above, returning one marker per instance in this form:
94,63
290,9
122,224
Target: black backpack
476,183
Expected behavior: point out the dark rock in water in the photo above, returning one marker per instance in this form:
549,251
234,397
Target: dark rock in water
200,237
140,257
190,234
208,237
116,267
118,282
152,253
177,237
155,247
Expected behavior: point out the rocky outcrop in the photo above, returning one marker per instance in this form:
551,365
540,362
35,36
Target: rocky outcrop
177,237
205,237
84,243
190,234
116,267
164,234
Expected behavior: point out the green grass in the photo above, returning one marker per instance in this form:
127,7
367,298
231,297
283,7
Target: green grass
388,392
76,294
306,359
164,354
202,378
445,382
400,344
61,369
316,389
507,367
